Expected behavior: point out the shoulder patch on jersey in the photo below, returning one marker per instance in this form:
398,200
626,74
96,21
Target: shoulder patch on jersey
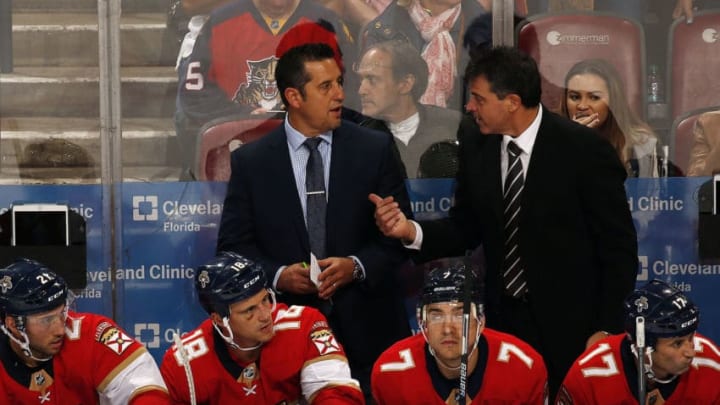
112,337
324,341
101,328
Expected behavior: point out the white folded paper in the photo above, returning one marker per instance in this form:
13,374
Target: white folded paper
314,269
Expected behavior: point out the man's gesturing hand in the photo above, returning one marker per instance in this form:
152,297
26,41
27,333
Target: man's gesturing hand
391,220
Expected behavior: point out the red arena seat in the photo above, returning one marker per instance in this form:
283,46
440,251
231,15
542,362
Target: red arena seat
220,137
559,40
694,60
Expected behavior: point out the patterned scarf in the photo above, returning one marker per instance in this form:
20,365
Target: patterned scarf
439,53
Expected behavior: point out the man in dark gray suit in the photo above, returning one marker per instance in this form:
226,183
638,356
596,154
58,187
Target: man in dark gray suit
546,199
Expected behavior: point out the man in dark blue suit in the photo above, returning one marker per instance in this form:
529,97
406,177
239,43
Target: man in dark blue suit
546,199
270,210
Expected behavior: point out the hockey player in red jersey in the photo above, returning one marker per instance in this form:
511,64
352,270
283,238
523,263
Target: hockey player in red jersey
254,351
680,365
50,355
425,369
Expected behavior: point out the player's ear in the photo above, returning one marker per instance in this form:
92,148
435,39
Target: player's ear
478,311
11,324
215,317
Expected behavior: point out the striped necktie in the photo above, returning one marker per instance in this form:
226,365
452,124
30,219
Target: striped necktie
513,272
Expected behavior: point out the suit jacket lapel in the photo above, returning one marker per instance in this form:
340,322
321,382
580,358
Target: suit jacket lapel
538,161
340,163
493,160
283,179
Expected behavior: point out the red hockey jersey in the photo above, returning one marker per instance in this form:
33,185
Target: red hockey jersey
512,373
598,376
98,362
303,359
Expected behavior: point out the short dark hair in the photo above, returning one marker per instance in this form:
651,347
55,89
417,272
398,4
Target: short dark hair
290,71
509,71
406,60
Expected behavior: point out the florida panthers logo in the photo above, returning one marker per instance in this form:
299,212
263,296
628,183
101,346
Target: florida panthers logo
260,90
248,379
6,284
641,304
204,279
39,379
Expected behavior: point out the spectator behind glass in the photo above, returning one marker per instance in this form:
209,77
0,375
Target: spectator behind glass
231,69
193,14
705,153
393,77
595,97
436,28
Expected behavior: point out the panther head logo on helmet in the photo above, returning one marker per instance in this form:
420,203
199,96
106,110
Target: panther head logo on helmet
227,279
6,284
641,304
666,310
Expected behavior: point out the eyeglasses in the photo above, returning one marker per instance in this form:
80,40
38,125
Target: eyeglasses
48,321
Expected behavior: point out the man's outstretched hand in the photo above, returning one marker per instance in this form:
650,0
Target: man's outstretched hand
390,219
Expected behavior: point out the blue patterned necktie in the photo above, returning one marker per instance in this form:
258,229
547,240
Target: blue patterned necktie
316,198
